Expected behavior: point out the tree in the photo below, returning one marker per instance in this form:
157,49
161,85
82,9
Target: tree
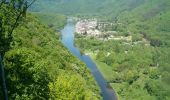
70,86
11,13
100,56
26,75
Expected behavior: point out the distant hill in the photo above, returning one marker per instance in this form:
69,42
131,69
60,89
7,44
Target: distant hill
109,7
147,17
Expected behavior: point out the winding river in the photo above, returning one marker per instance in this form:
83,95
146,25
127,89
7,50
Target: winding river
67,38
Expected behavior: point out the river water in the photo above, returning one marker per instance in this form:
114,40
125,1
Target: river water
67,38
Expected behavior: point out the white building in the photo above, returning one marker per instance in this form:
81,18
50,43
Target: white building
86,26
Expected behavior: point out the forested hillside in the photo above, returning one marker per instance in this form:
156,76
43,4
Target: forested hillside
99,7
54,21
38,66
138,69
135,71
147,17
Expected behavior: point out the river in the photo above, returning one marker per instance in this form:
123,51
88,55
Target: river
67,38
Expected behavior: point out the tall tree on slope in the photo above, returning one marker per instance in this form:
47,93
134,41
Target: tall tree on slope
11,12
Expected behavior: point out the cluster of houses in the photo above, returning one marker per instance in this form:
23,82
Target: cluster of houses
91,27
87,27
94,28
103,25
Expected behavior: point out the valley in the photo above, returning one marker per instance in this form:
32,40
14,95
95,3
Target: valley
67,39
128,41
85,50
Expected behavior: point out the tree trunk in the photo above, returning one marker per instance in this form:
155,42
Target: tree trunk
2,74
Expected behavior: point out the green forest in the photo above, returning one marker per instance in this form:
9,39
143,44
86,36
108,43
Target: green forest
136,70
38,66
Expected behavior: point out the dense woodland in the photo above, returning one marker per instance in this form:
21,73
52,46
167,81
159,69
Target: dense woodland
137,71
134,71
148,19
37,65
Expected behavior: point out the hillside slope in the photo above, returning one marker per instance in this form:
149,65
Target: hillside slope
109,7
38,67
147,17
135,71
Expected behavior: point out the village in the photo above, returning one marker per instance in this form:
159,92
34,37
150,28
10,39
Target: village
95,28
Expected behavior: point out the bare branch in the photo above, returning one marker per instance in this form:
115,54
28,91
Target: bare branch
31,3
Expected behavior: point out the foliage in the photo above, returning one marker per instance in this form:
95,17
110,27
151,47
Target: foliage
135,71
54,21
37,65
11,12
67,87
26,75
137,68
150,18
9,18
36,59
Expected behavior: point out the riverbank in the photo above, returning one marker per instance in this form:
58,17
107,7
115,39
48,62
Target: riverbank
129,68
67,39
104,69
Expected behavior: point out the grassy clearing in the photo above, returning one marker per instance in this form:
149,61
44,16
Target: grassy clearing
103,68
